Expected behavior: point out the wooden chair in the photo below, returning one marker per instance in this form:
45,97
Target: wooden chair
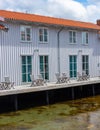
1,86
65,79
40,81
33,81
59,78
7,84
85,76
79,77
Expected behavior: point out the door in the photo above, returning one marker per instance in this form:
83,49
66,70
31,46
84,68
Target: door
44,67
85,63
73,66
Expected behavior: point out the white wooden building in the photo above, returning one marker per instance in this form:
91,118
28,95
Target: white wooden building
38,44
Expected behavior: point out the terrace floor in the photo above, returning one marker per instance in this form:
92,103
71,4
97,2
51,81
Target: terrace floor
48,86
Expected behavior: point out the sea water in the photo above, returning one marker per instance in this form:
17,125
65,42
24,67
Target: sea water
81,114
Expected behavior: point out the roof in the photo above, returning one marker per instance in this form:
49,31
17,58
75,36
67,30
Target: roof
46,20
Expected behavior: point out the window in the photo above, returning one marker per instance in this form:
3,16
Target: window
73,65
26,68
44,67
26,33
43,35
72,37
85,38
85,63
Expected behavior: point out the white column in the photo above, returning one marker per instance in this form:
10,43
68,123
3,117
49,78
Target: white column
79,61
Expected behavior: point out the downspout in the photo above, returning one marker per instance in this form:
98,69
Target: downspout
58,48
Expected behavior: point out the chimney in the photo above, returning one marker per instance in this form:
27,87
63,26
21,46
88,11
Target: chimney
98,22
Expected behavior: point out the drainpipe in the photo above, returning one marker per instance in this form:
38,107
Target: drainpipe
58,48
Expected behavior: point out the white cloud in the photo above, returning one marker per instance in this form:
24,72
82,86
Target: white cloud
70,9
67,9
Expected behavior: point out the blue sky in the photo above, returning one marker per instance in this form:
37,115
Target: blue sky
83,1
82,10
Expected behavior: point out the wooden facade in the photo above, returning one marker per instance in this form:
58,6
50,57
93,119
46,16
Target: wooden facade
62,55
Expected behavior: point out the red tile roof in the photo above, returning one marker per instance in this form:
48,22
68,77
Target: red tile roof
46,20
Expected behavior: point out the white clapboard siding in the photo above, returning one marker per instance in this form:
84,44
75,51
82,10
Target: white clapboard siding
11,50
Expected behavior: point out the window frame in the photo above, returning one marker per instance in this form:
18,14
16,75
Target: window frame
72,37
84,38
25,27
43,28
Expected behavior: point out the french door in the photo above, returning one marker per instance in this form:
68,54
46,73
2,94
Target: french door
26,68
44,66
73,66
85,63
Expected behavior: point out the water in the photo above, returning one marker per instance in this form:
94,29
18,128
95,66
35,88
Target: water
82,114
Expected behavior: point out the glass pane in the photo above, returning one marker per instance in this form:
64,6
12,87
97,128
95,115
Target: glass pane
74,34
74,40
87,59
71,66
45,38
46,68
87,38
71,59
23,59
46,76
45,31
41,68
41,59
87,66
28,37
83,59
29,60
70,40
74,57
28,30
71,74
23,77
42,75
24,69
29,79
70,33
40,32
22,29
46,59
75,66
22,36
29,69
40,38
83,66
75,74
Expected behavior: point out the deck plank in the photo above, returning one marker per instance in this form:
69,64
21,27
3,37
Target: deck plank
50,86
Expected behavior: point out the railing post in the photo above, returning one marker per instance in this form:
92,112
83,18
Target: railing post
15,102
47,97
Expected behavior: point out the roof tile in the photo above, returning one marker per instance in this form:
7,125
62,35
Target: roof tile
46,20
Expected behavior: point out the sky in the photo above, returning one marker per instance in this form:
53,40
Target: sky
81,10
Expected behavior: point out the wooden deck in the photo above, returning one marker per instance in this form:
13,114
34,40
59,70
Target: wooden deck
49,86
